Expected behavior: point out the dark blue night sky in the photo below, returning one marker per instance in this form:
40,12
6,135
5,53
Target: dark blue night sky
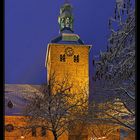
31,24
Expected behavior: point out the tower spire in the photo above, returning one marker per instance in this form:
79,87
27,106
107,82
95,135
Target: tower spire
65,19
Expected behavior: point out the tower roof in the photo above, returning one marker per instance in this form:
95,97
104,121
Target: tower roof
65,20
69,38
19,95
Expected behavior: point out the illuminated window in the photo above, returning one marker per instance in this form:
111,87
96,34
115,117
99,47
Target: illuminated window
33,131
62,58
76,58
43,131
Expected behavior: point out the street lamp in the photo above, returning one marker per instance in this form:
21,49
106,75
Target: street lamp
22,137
100,138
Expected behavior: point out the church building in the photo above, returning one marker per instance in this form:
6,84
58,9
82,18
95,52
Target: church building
67,57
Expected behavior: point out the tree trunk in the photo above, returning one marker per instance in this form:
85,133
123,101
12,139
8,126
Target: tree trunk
55,138
55,135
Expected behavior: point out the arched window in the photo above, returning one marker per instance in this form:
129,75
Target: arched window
62,58
9,127
76,58
33,131
10,104
43,131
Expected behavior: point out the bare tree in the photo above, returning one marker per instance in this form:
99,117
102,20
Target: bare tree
93,127
101,130
115,71
54,108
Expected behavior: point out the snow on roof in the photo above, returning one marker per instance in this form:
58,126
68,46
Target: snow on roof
18,95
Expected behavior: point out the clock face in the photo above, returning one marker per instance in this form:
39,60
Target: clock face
69,51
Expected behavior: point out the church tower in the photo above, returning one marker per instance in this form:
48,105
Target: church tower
67,55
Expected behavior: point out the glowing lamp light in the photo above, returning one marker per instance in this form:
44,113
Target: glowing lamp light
22,137
101,138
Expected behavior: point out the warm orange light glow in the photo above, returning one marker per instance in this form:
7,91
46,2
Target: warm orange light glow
22,137
100,138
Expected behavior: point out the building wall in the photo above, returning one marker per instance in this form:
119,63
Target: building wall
16,134
79,132
131,136
76,72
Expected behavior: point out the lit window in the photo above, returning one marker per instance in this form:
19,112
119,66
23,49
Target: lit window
62,58
22,137
43,131
76,58
33,131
